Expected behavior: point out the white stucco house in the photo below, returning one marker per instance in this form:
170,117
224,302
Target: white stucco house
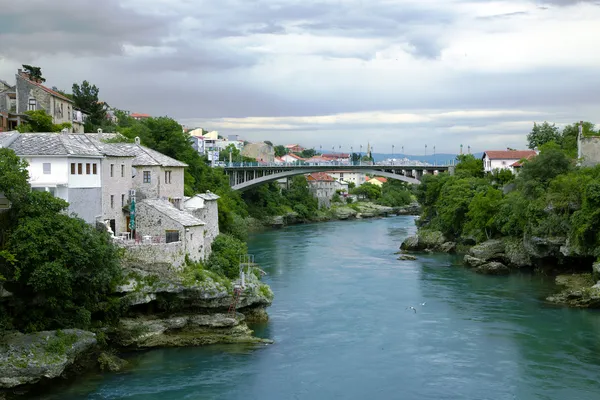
504,159
357,178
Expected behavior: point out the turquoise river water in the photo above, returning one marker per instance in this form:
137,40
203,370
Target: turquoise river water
342,331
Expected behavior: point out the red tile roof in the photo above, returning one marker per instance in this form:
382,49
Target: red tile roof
139,115
381,179
335,155
320,176
509,154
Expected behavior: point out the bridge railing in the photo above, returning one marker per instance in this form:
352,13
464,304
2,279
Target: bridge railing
301,164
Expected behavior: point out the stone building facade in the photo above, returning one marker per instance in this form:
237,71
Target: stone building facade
31,96
589,151
322,186
163,223
204,207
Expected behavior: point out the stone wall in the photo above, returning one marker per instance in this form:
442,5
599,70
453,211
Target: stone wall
174,189
590,151
323,191
210,215
156,257
86,203
259,151
147,190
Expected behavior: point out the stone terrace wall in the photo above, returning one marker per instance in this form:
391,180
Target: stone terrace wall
156,257
590,151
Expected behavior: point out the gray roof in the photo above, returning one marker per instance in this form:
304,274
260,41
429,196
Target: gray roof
166,208
6,138
208,196
109,149
54,144
148,157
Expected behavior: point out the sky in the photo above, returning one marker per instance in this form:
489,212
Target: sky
324,73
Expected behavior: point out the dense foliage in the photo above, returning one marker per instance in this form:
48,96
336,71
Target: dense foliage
269,199
225,256
59,269
40,121
550,197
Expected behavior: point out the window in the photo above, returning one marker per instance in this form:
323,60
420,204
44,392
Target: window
122,200
72,168
95,169
146,176
88,168
167,176
80,169
122,171
32,104
172,236
47,168
112,170
112,201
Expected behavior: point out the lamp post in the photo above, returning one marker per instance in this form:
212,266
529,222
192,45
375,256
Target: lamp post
434,163
352,155
392,154
360,156
403,150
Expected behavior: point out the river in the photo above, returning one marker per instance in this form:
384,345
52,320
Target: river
342,331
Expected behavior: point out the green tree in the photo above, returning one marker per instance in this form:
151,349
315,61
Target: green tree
394,193
538,172
280,151
308,153
542,134
482,213
85,97
35,73
368,191
569,136
40,121
469,166
225,256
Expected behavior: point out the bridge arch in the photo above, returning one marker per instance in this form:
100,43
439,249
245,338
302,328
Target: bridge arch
300,171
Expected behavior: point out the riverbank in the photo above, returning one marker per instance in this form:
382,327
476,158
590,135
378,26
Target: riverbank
161,307
577,274
340,212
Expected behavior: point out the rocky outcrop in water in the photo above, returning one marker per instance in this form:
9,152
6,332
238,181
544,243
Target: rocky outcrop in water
427,240
27,359
188,310
580,290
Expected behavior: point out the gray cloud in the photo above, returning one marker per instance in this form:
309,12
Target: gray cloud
77,27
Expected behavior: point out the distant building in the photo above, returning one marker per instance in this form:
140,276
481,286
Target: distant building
139,116
504,159
357,178
292,158
377,181
259,151
322,186
294,148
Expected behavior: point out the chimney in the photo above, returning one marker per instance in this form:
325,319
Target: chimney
137,140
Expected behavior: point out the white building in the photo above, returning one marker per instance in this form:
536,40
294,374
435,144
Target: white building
504,159
357,178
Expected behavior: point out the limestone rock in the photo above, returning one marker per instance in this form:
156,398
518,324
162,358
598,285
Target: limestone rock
448,247
493,268
111,363
406,257
538,247
29,358
580,291
411,243
411,209
488,250
596,270
516,254
473,261
432,240
344,213
256,315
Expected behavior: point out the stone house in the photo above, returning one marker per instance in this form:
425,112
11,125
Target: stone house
32,95
155,175
158,221
204,207
322,186
116,179
9,120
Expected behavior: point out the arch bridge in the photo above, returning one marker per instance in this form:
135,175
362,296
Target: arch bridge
248,175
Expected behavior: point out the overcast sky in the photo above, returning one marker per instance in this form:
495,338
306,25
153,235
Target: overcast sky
324,73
